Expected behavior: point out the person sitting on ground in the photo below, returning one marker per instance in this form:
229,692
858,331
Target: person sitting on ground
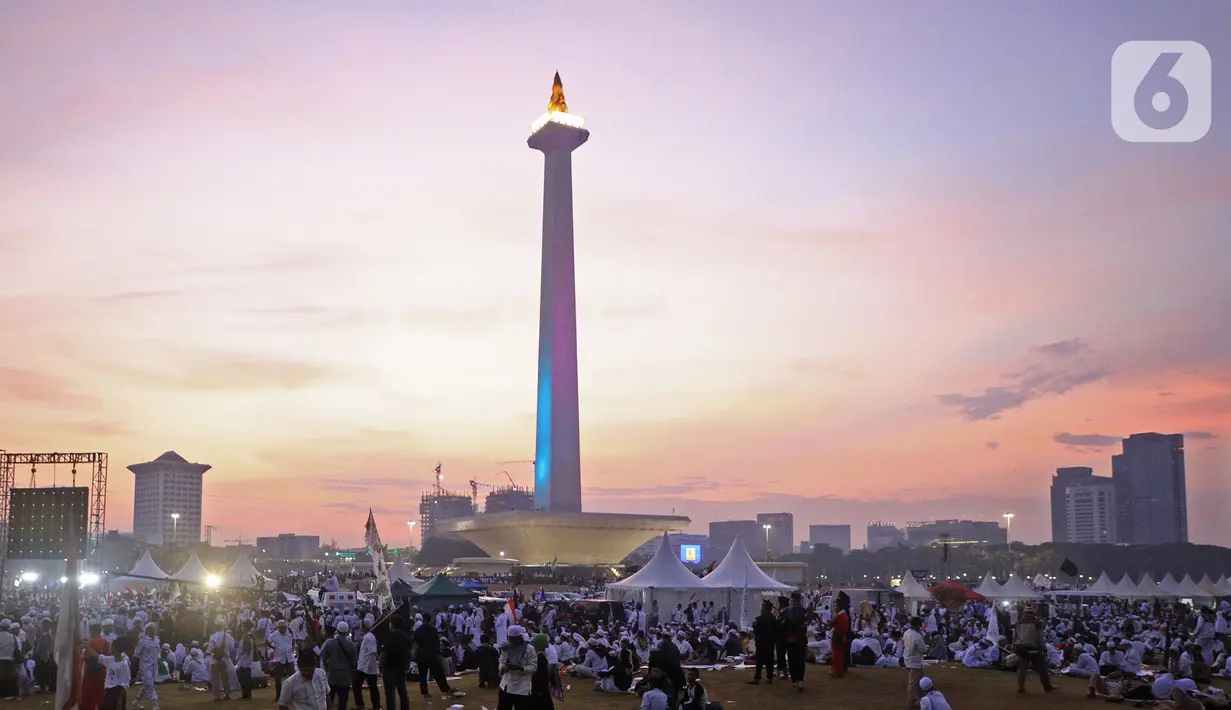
930,698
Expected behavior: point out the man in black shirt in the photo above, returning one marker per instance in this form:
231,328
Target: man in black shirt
394,660
666,658
427,657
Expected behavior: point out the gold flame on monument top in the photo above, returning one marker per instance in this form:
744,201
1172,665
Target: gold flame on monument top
557,96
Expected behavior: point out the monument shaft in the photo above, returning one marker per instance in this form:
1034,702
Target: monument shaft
557,457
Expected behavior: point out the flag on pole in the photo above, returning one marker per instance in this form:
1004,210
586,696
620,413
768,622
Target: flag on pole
743,604
512,613
68,632
372,538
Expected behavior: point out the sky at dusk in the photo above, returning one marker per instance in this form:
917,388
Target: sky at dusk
851,261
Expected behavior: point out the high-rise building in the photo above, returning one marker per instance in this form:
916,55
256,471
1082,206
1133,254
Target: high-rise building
1083,506
723,534
167,500
838,536
1059,482
557,452
1151,493
956,532
781,534
882,535
289,546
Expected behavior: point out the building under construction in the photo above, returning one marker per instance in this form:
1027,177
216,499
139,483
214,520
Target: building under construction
438,504
506,498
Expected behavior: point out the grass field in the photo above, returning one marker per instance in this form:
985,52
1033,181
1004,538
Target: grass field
864,688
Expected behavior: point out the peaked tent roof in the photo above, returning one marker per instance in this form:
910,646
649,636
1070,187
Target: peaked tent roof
1167,586
442,586
663,571
400,572
192,571
1147,587
1126,588
146,567
1188,588
1014,588
1209,586
738,571
240,574
1103,585
1223,585
989,587
911,589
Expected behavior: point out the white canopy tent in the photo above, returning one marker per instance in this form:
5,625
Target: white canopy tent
1125,588
737,571
401,573
666,580
146,567
1223,585
1147,587
1168,587
241,574
146,574
1103,585
1188,589
912,590
989,587
1014,588
192,572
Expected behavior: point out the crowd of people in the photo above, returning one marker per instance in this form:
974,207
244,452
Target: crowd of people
317,658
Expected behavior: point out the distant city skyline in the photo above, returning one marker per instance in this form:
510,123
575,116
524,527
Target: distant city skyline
829,262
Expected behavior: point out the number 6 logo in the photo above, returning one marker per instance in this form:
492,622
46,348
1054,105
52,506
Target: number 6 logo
1161,92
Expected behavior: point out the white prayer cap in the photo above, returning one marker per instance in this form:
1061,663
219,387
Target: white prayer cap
516,631
925,684
150,626
342,627
369,620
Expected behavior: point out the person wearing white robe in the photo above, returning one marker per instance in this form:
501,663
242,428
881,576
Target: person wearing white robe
502,629
1084,667
931,699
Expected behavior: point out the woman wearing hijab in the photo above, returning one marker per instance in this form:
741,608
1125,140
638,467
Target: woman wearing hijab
841,625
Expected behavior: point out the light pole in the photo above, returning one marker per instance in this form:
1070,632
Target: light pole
410,528
1008,523
175,525
767,527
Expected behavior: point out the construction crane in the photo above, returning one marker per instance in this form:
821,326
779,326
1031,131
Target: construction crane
474,486
240,541
502,463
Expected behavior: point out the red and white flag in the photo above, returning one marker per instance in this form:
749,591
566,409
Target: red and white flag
372,538
68,633
512,612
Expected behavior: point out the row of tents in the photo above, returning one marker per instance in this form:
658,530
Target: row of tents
1014,589
665,579
242,573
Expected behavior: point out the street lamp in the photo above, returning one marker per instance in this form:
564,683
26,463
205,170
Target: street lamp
767,526
175,525
410,528
1008,523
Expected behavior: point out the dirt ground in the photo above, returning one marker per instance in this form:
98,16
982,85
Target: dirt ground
862,689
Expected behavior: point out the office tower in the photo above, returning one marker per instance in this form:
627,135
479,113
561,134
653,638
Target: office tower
956,532
779,538
1151,497
1059,482
167,500
838,536
882,535
722,537
1083,506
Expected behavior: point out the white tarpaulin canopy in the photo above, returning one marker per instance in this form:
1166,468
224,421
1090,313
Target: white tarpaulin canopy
241,574
989,588
665,579
1126,588
1103,585
192,571
146,567
737,571
401,573
1168,587
1014,588
1189,589
1224,586
912,590
1147,587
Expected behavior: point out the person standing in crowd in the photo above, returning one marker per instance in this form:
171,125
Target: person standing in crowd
282,644
667,658
794,623
427,657
913,648
368,669
1028,645
765,634
394,660
93,672
44,657
220,647
247,657
306,690
840,651
339,656
147,651
518,660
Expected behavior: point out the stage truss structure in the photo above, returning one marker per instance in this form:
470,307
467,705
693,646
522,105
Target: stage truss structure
92,465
